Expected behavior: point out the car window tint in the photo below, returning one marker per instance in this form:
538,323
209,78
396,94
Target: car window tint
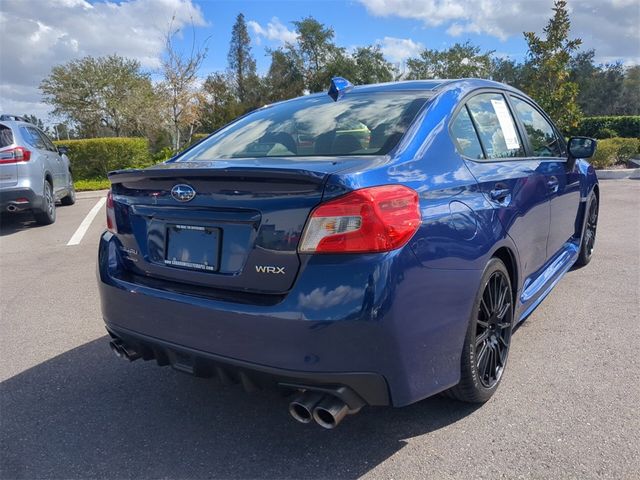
465,136
315,126
32,137
48,143
542,136
496,127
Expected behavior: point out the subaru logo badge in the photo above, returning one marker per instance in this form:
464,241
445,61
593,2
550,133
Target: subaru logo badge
183,193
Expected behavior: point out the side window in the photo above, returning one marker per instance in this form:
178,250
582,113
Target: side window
48,143
496,128
32,137
465,136
542,136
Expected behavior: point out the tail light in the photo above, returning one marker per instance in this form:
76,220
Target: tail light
111,214
376,219
15,155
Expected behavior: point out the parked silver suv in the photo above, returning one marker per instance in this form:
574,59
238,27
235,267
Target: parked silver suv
34,174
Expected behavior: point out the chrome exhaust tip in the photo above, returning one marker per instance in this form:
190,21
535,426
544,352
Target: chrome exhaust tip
301,407
330,412
12,208
122,351
116,348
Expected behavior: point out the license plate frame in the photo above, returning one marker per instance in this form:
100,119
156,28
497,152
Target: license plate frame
192,247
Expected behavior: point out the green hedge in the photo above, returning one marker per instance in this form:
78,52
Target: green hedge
615,150
608,127
93,158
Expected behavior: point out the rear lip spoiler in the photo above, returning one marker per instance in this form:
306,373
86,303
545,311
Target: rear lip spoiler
121,176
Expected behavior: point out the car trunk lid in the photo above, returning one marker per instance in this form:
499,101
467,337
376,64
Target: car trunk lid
240,231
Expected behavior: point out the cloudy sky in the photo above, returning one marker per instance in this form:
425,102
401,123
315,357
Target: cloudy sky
38,34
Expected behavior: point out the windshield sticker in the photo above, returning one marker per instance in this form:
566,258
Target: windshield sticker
506,124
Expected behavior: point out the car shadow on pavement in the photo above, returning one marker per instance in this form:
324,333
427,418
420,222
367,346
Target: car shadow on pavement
87,414
15,222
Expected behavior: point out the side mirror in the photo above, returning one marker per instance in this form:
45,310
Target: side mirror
63,149
582,147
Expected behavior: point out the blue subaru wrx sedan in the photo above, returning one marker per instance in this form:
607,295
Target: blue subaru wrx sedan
367,246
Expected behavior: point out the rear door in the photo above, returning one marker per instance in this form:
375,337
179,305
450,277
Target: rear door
563,178
513,183
57,162
41,153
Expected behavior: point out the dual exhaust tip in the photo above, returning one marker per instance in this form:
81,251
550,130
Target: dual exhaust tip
327,411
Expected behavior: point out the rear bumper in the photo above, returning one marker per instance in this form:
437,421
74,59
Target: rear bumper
18,199
383,326
354,388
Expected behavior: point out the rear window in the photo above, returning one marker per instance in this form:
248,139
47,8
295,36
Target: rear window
6,136
358,124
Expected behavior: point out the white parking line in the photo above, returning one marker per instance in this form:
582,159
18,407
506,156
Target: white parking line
76,238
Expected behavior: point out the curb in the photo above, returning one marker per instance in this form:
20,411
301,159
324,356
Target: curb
633,173
95,194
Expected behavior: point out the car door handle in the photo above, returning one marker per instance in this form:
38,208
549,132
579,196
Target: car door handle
499,194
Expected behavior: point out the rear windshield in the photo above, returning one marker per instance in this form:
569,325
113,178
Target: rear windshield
6,136
358,124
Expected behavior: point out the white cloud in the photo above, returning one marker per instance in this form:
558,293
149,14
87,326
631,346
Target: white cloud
397,50
38,34
610,27
275,31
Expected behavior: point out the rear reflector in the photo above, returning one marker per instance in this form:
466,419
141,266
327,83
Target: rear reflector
376,219
15,155
111,214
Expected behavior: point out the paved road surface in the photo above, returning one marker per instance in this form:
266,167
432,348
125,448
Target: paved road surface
567,408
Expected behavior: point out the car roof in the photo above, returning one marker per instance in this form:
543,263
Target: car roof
433,85
16,123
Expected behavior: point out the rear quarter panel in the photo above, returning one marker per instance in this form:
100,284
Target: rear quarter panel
459,232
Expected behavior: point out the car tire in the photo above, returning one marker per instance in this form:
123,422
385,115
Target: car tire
589,235
488,337
70,199
47,215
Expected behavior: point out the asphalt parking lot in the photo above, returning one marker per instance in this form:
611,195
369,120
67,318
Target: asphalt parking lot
567,408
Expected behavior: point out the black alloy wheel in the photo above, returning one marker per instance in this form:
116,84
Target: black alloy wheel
493,330
486,347
590,228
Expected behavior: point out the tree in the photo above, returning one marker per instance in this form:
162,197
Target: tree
62,131
549,59
103,94
220,105
630,98
242,65
599,86
371,66
37,122
314,51
179,88
285,78
510,72
462,60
